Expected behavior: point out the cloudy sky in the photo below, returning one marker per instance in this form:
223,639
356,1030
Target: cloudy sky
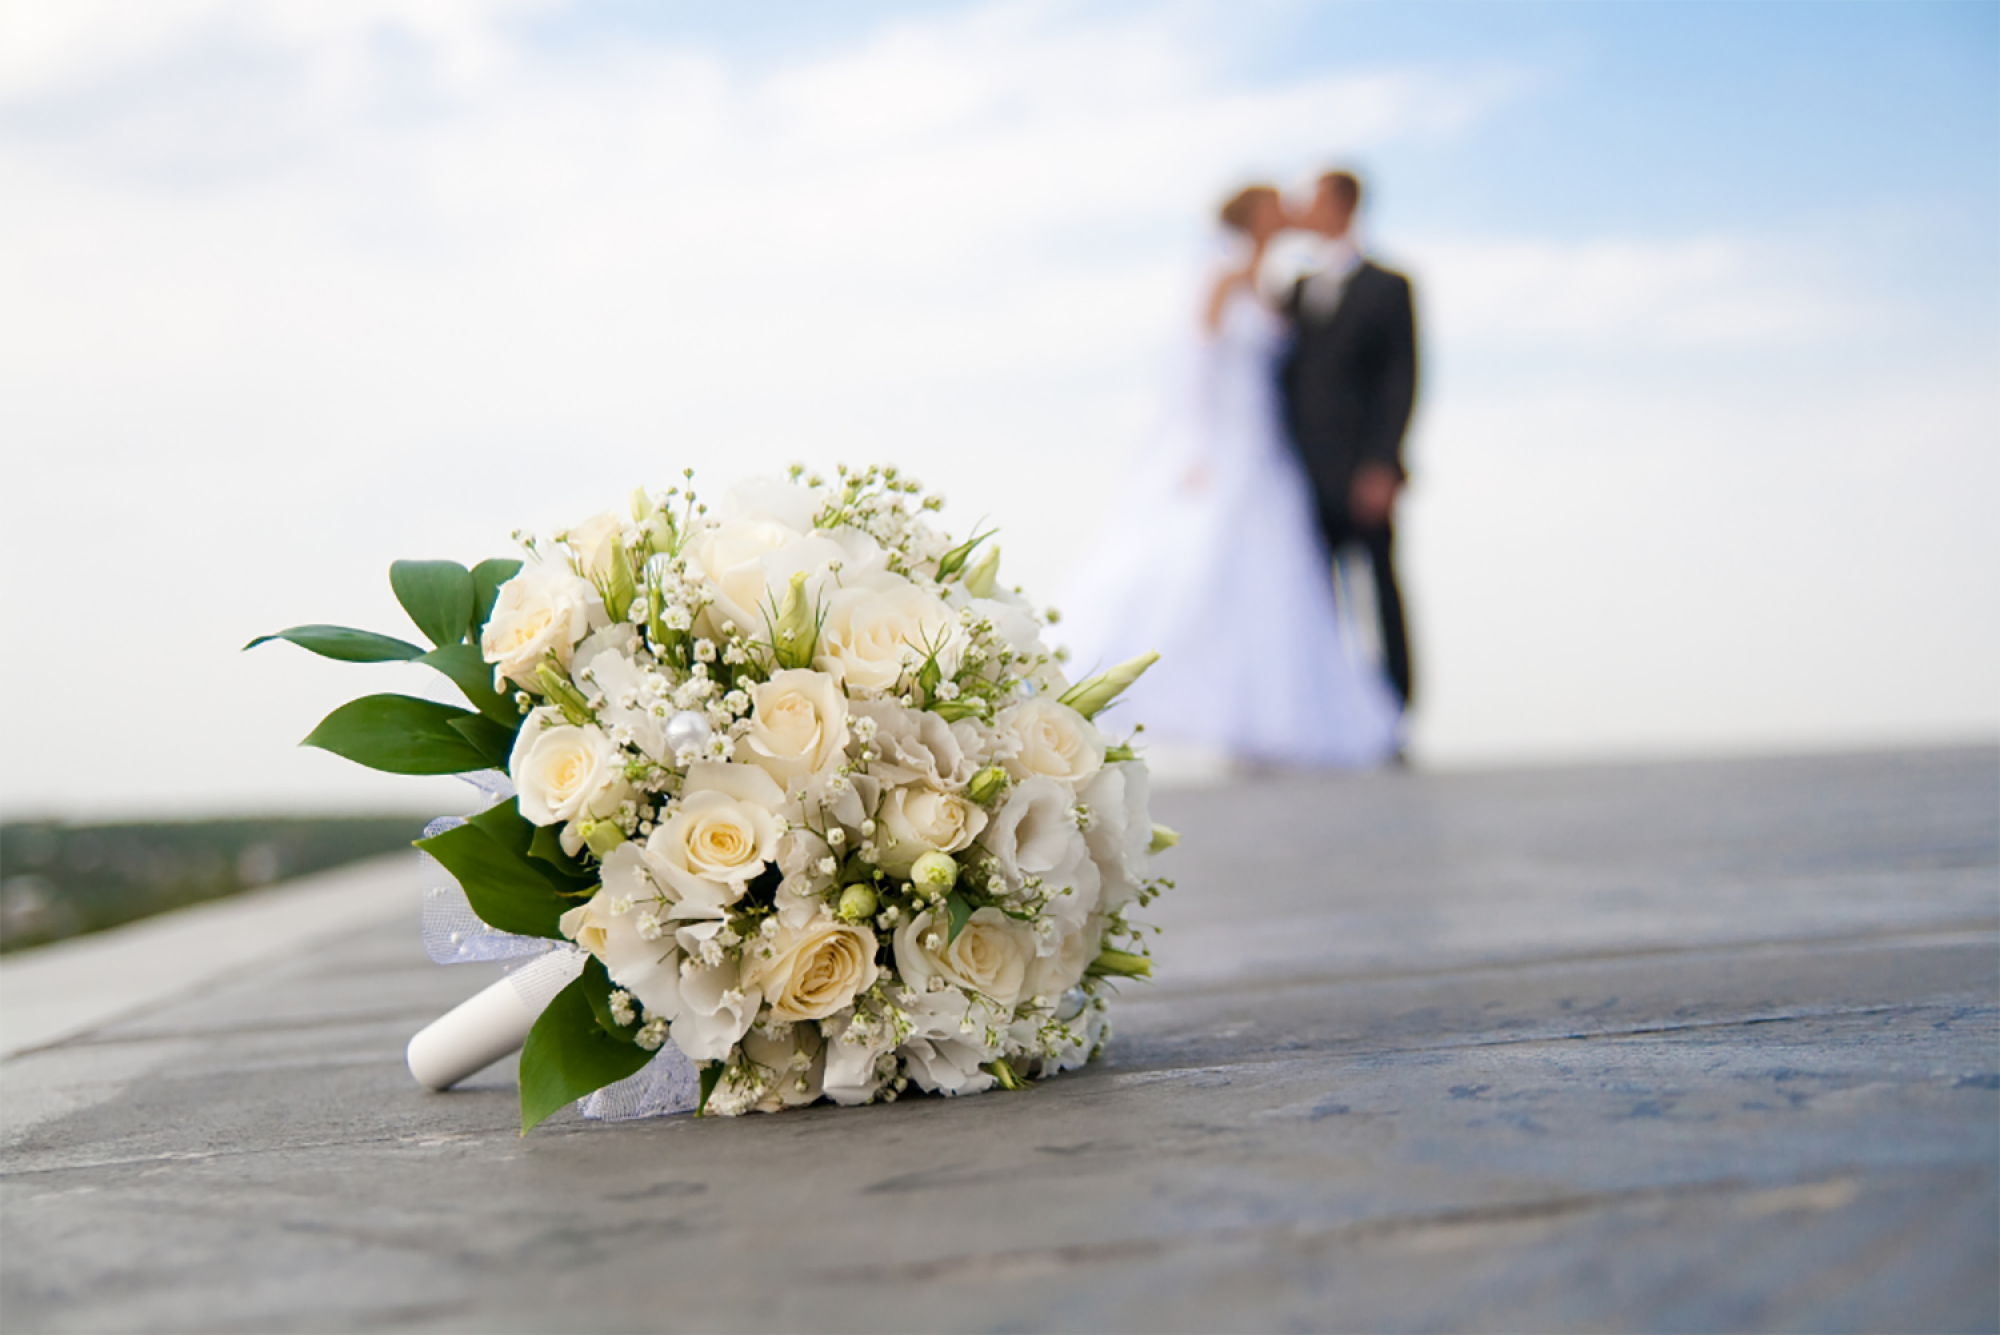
1706,456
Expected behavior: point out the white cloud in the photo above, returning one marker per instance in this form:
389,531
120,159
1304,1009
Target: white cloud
1726,291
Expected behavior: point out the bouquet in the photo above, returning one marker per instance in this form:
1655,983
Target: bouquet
799,789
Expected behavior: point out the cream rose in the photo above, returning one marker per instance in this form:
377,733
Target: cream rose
593,541
562,773
543,610
812,972
746,565
1049,738
989,956
721,834
872,634
920,820
798,724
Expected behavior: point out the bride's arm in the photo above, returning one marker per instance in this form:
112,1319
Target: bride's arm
1211,317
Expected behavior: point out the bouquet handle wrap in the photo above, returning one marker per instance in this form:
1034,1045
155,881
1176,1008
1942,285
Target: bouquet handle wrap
479,1032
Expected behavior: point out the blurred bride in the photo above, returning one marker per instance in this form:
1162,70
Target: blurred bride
1216,562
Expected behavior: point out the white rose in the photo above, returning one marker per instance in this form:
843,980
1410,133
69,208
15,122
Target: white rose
812,972
722,832
773,499
989,956
920,820
872,634
542,610
798,724
1049,738
563,773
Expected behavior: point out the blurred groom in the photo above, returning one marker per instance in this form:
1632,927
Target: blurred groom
1349,383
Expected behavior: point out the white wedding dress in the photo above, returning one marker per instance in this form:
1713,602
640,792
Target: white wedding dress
1215,560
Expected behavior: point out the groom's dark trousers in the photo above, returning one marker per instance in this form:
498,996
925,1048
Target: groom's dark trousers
1342,535
1349,383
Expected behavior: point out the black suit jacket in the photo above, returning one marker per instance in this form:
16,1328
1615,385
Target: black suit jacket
1349,380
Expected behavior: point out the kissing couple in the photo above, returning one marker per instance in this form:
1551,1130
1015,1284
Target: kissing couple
1279,460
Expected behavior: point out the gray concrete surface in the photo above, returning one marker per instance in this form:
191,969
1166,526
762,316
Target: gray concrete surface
1695,1046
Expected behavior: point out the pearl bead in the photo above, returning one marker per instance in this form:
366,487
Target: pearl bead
687,728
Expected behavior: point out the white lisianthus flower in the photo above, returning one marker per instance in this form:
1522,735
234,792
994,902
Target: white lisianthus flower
1055,973
856,1044
917,746
618,689
919,820
1049,738
872,635
812,972
989,956
798,724
1121,829
648,969
791,1062
1034,833
565,774
948,1048
543,610
722,833
715,1007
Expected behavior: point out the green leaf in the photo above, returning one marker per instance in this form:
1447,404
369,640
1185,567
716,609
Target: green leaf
504,824
711,1076
597,989
345,644
960,913
505,890
568,1055
494,742
398,734
437,595
547,849
487,577
954,560
473,676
